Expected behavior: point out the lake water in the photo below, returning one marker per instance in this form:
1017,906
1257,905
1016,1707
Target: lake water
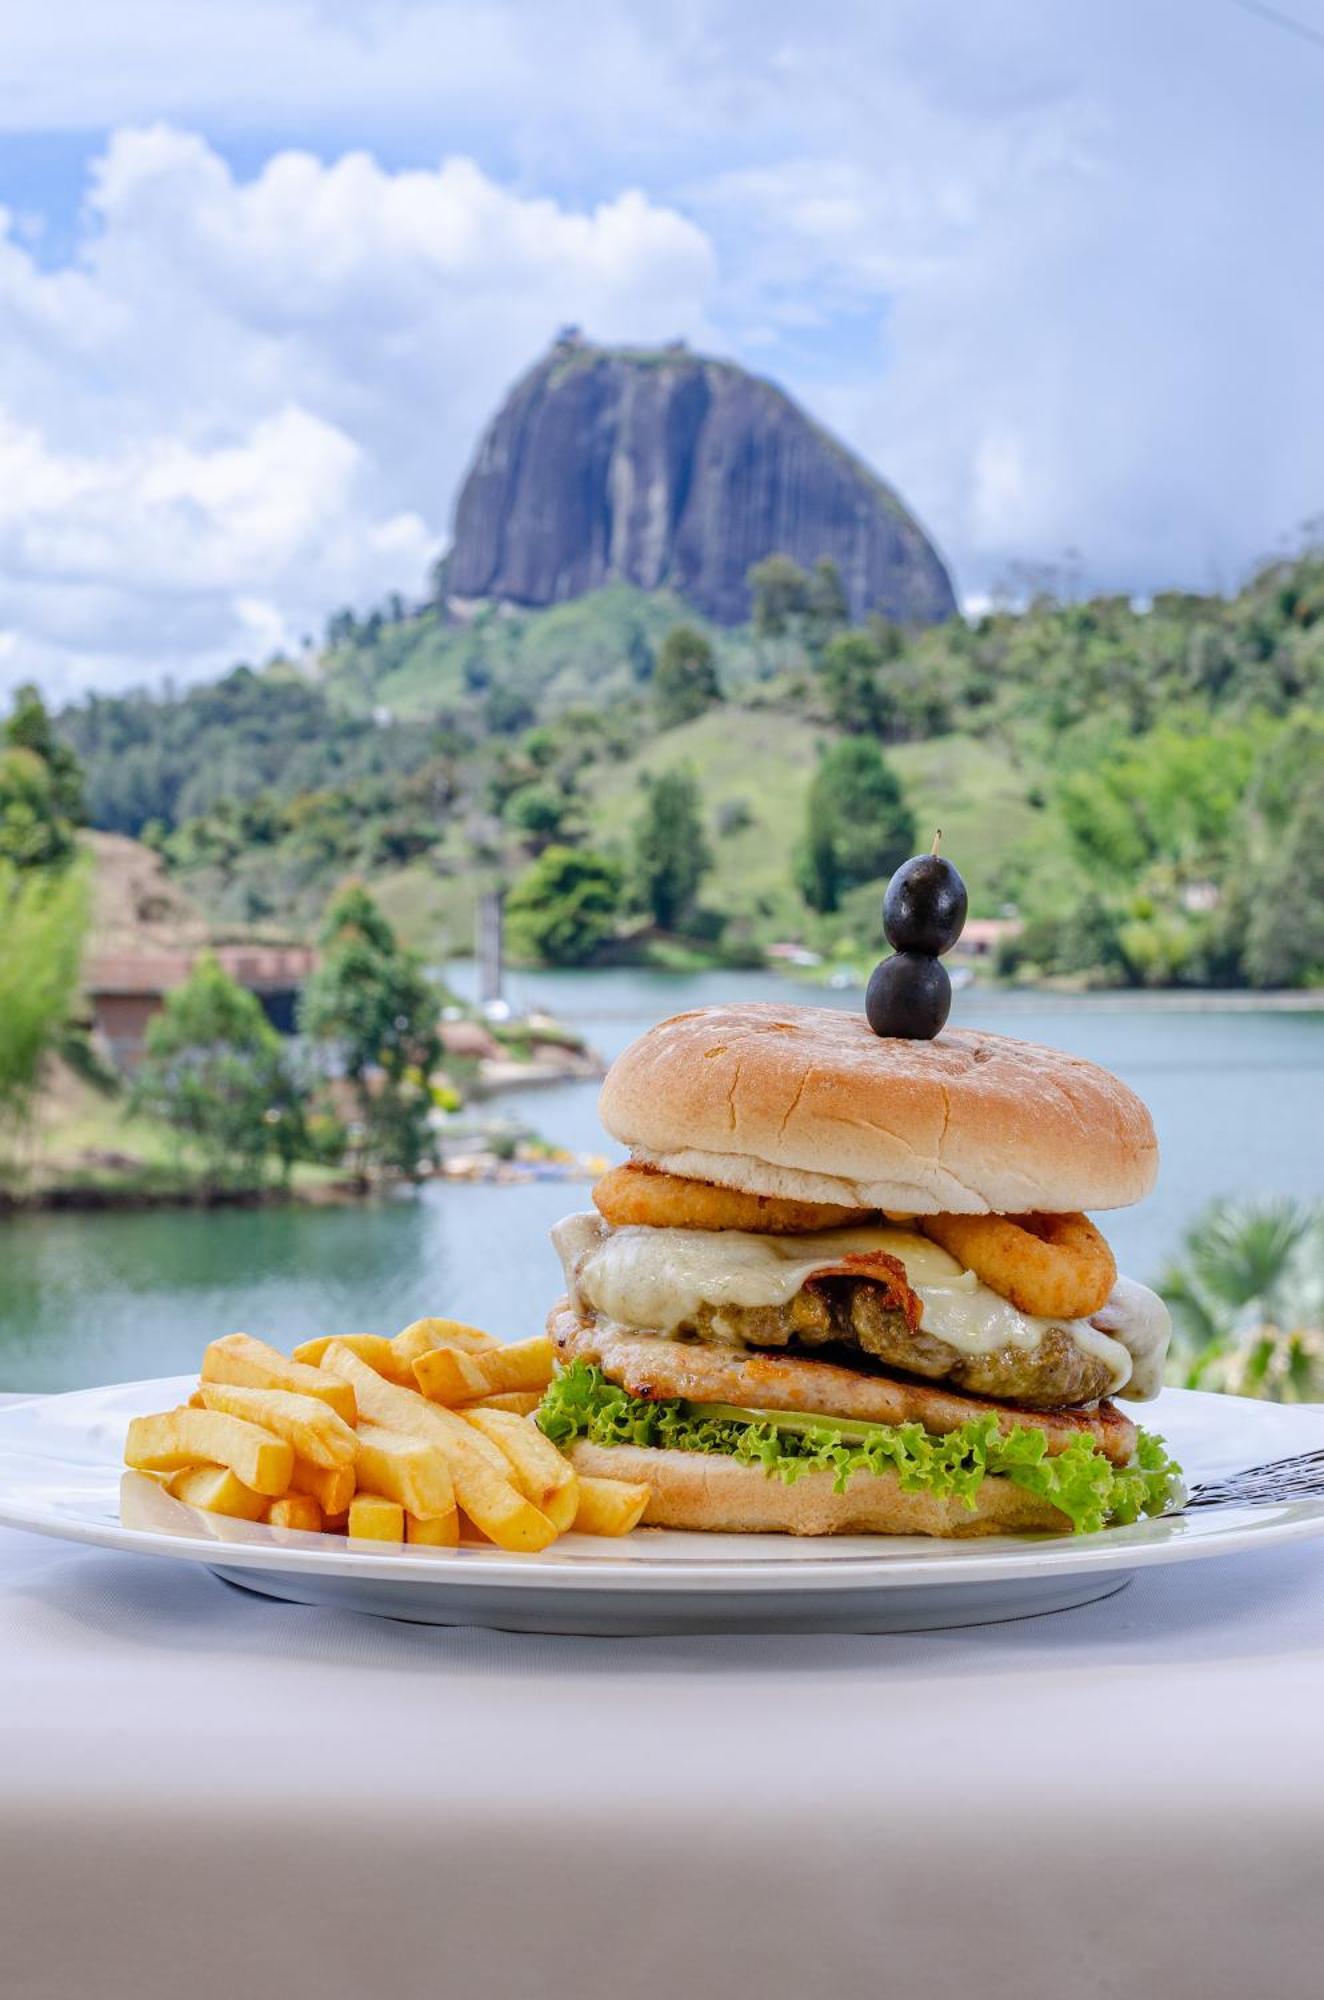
1237,1095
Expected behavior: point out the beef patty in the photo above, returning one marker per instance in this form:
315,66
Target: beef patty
857,1312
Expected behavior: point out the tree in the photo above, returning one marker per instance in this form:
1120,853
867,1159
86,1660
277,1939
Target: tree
370,1000
214,1069
818,864
342,629
685,683
565,905
1284,943
1247,1299
827,608
507,710
29,728
780,590
671,852
542,813
43,921
41,788
852,676
789,602
858,827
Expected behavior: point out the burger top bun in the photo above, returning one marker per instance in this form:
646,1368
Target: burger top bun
809,1102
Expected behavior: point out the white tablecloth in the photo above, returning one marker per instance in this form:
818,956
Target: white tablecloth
205,1793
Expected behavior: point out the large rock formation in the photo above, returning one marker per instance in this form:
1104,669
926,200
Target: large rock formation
665,467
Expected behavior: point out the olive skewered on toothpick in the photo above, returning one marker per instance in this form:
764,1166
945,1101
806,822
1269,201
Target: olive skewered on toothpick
909,996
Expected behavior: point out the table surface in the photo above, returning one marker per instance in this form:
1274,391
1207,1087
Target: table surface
204,1792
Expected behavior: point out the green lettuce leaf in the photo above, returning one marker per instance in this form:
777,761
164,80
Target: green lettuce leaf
1080,1481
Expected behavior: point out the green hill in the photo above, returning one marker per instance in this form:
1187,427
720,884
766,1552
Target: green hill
1144,785
597,648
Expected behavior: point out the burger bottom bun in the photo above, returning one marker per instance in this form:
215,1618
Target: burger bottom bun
702,1490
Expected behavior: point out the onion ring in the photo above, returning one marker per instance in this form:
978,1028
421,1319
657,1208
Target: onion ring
647,1196
1049,1266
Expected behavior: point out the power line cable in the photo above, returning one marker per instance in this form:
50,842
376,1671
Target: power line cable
1277,19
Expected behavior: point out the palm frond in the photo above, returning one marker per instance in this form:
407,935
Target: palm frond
1241,1254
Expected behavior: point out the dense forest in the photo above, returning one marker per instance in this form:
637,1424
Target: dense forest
1141,787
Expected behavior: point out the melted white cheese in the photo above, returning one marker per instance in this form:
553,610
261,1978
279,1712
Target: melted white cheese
1140,1320
655,1280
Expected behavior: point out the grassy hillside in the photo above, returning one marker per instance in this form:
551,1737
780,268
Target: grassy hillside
764,761
1144,785
599,648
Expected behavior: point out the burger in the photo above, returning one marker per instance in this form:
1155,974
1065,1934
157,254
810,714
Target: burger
846,1284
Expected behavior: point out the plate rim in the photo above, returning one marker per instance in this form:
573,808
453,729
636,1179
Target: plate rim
834,1570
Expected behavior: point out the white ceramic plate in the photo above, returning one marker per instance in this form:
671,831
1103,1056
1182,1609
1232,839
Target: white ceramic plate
61,1474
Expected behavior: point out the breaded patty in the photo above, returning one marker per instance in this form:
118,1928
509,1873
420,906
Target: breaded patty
657,1369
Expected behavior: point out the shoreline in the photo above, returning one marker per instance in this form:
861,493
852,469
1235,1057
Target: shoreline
1120,999
76,1197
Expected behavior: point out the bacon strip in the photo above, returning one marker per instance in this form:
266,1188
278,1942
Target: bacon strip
888,1272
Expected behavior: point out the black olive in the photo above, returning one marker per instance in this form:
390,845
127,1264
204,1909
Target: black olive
909,996
925,905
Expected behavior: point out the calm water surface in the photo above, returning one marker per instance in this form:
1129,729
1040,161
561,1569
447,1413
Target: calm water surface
1238,1098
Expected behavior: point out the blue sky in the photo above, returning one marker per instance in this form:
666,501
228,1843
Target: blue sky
1053,266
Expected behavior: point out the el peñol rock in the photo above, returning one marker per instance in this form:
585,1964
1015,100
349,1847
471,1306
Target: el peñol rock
662,467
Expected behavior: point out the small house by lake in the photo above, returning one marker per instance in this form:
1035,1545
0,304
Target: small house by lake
125,989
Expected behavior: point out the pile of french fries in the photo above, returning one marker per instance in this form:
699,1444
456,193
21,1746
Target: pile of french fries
428,1438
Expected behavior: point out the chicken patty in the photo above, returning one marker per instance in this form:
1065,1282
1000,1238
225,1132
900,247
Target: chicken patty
657,1369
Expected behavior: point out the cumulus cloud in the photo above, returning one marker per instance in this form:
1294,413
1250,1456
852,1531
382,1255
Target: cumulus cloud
246,401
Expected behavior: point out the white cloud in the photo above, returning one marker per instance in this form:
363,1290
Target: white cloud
252,400
1088,239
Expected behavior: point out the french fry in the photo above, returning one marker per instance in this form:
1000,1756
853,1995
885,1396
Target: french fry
373,1518
250,1364
610,1506
217,1490
481,1475
422,1335
523,1402
176,1438
296,1510
374,1348
441,1533
442,1375
541,1474
408,1469
449,1375
332,1487
336,1524
315,1431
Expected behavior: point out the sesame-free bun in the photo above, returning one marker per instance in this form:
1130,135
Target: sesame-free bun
809,1103
693,1489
